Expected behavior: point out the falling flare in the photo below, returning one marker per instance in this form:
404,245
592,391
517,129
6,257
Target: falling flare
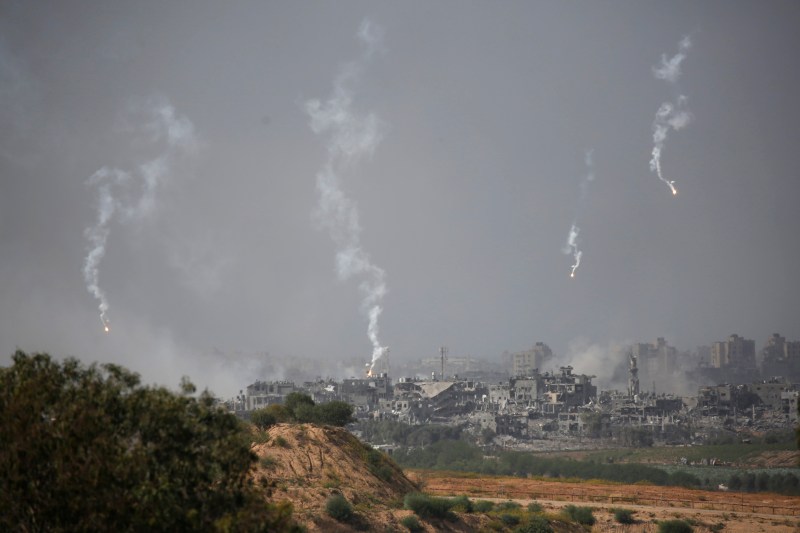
116,190
571,247
351,137
669,116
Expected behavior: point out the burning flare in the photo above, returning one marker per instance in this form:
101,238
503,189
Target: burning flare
351,136
669,116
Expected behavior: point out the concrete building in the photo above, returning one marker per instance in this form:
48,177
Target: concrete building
780,357
736,352
263,393
528,362
654,361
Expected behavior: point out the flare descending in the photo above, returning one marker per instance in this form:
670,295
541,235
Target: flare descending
351,135
116,188
669,116
571,247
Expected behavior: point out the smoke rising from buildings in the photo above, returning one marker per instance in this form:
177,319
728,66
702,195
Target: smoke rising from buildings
131,196
571,247
351,136
669,115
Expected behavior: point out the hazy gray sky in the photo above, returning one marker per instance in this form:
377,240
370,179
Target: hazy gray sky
484,113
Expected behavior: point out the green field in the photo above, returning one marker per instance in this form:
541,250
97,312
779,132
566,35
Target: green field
729,453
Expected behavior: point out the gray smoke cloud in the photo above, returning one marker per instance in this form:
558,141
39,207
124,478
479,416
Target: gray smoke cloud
669,116
571,247
351,136
131,196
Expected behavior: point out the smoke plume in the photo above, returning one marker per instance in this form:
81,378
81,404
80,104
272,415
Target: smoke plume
669,116
571,247
130,196
351,136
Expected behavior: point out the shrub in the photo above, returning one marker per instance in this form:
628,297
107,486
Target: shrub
462,504
508,506
411,523
535,507
674,526
428,506
483,506
268,461
339,508
263,418
623,516
536,524
282,442
581,515
510,519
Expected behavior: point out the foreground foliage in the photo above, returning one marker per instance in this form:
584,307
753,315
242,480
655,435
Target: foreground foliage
91,449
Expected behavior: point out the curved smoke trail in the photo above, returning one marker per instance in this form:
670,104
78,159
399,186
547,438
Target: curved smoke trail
116,188
571,247
669,116
350,137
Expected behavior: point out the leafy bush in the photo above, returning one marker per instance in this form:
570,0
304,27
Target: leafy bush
623,516
535,524
462,504
334,413
581,515
282,442
263,418
483,506
339,508
510,519
411,523
429,506
535,507
508,506
674,526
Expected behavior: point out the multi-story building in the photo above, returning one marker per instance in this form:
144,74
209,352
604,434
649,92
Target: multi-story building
781,358
736,352
263,393
654,360
528,362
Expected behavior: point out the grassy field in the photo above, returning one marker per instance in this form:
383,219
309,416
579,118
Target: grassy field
729,453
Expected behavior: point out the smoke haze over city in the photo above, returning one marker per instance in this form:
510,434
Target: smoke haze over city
485,113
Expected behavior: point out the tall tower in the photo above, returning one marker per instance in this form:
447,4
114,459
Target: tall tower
443,352
633,375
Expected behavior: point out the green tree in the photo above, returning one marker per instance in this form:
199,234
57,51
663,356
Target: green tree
295,400
334,413
263,418
91,449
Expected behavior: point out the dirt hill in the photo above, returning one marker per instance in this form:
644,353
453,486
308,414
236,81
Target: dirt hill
306,464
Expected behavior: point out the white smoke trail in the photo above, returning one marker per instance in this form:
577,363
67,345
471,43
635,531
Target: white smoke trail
669,115
351,136
116,187
571,247
670,69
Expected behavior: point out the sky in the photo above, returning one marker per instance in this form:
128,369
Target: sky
327,179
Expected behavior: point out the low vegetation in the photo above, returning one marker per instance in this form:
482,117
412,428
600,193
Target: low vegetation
674,526
581,515
623,516
339,508
429,507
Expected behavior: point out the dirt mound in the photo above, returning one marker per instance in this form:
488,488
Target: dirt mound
306,464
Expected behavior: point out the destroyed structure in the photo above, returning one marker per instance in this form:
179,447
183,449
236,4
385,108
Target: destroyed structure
557,408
